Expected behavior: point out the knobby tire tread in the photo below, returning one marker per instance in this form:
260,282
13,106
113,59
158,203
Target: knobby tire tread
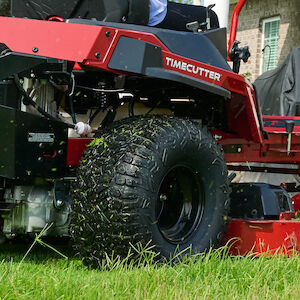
110,207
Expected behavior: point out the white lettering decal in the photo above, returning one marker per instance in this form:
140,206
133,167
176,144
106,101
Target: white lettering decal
217,76
177,64
168,60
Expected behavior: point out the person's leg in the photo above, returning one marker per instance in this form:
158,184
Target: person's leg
179,15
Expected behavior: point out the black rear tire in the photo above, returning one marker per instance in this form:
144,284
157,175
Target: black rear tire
158,179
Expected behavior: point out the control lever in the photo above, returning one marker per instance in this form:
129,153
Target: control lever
208,10
289,127
196,27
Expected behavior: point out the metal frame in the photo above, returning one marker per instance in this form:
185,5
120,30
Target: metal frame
234,23
264,237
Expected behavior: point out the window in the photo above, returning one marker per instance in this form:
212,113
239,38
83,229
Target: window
270,35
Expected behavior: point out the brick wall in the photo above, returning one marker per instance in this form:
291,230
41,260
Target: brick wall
250,29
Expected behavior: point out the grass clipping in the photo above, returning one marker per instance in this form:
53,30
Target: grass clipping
38,240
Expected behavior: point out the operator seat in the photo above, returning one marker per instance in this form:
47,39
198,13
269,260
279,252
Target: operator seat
118,11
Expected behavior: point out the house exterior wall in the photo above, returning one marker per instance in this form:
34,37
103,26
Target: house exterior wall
249,31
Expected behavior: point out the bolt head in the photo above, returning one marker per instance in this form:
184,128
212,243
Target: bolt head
163,197
59,203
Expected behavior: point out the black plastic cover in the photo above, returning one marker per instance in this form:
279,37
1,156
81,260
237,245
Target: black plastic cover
258,201
13,63
139,57
9,94
279,90
31,145
132,55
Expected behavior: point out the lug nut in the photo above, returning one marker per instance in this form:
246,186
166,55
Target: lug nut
163,197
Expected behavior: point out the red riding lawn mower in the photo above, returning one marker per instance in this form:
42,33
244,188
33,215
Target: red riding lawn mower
119,134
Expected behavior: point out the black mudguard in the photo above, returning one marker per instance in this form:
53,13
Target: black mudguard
143,58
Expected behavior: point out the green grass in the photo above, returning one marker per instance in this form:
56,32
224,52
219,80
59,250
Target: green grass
43,274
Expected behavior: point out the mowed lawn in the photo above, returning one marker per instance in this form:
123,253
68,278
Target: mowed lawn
45,275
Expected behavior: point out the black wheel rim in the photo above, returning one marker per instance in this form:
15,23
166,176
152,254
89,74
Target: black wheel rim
180,204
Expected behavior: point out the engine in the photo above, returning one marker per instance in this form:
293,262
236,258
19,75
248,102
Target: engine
43,94
27,210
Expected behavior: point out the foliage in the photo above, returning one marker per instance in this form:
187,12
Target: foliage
247,75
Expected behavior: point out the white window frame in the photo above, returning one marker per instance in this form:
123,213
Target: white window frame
269,20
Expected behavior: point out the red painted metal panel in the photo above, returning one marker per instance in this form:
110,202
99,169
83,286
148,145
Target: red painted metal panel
296,202
75,150
245,120
263,237
80,43
273,149
71,42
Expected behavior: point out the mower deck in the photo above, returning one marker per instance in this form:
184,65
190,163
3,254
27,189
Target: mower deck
266,237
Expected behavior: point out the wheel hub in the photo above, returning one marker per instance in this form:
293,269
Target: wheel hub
180,204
